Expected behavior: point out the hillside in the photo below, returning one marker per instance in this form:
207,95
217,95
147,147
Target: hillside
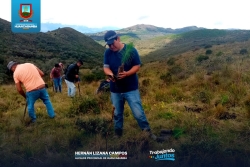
195,40
45,49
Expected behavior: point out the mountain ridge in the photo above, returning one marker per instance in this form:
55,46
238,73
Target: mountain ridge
45,49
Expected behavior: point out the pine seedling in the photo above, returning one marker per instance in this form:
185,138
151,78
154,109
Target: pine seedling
126,56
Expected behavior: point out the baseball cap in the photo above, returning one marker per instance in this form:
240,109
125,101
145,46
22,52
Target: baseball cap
10,64
110,36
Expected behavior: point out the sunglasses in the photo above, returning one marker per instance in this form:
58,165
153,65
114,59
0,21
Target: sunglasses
110,44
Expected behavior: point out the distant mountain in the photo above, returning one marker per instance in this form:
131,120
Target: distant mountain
155,43
146,38
45,27
143,31
46,49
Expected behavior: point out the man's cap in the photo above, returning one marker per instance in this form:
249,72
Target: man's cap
110,36
10,64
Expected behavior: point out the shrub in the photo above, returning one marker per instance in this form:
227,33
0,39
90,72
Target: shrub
171,61
146,82
177,94
200,58
219,53
161,96
167,78
208,52
89,77
94,125
204,96
175,70
243,51
95,75
85,105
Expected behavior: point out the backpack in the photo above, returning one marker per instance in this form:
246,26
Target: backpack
104,87
66,69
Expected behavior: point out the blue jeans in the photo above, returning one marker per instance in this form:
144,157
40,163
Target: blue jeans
71,88
31,98
134,102
57,84
61,78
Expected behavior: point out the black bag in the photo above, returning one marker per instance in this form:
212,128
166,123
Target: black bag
66,69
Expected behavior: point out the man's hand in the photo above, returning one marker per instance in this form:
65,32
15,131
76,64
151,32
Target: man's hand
40,72
112,77
122,75
77,76
20,90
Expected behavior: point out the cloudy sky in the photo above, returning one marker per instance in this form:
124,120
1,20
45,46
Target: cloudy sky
221,14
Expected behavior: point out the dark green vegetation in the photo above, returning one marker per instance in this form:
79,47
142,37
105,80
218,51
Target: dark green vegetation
45,49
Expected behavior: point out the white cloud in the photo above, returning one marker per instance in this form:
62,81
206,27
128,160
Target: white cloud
161,13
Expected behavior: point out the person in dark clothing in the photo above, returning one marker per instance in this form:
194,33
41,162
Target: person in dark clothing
104,86
124,84
72,76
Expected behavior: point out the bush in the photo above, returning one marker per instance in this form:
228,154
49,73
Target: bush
167,78
89,77
200,58
95,75
94,125
146,82
208,52
85,105
219,53
175,70
243,51
171,61
204,96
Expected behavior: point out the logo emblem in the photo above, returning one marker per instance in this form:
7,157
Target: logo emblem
25,12
23,17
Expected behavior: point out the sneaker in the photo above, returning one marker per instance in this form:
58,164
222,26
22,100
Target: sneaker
151,135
